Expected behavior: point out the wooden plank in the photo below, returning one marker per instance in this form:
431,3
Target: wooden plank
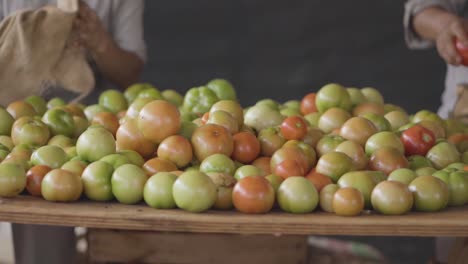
191,248
27,209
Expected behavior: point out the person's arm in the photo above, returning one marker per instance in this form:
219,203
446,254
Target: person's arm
118,65
441,26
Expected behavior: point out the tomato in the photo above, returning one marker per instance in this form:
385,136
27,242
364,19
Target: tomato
387,159
334,165
270,141
18,109
326,197
417,140
108,120
205,117
462,50
34,178
253,195
319,180
246,147
313,136
61,186
328,143
291,152
308,104
156,165
263,163
333,118
289,168
176,149
368,107
358,129
293,127
129,137
210,139
348,201
355,152
158,119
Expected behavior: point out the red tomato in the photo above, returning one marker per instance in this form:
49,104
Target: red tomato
293,127
246,147
289,168
463,51
417,140
253,195
308,104
34,178
263,163
319,180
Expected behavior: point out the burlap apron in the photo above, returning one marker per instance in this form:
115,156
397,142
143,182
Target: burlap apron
37,56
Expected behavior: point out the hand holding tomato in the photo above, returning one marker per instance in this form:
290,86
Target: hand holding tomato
454,53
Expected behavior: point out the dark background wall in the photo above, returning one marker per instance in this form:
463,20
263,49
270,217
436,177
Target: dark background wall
284,49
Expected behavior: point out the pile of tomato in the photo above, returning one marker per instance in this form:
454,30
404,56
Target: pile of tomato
340,150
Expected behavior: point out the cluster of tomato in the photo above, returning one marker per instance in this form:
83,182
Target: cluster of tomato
340,149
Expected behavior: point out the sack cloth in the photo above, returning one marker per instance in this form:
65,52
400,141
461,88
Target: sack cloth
37,56
460,111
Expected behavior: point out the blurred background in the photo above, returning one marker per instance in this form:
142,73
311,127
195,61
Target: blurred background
285,49
282,51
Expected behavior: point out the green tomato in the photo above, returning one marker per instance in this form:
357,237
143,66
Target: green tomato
417,161
128,182
261,116
194,191
218,163
372,95
313,118
55,102
50,155
362,181
38,103
443,154
248,170
198,100
116,160
430,193
457,183
402,175
332,95
30,131
12,179
270,103
380,122
113,100
297,195
96,180
60,122
151,92
173,96
133,157
392,198
95,143
356,96
223,89
158,190
131,93
424,171
92,110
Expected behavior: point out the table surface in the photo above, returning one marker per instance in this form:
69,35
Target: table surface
112,215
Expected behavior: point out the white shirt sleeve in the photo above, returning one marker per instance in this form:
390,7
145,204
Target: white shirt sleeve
127,26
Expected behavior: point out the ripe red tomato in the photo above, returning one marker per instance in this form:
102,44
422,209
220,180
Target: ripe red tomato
463,51
293,127
308,104
253,195
246,147
417,140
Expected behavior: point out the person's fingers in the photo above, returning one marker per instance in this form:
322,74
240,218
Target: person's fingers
460,32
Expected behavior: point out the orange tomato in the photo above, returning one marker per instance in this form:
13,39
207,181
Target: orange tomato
263,163
289,168
156,165
176,149
308,104
348,201
318,179
129,137
34,178
253,195
158,120
246,147
108,120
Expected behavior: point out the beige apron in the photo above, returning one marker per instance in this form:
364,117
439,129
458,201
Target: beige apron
36,56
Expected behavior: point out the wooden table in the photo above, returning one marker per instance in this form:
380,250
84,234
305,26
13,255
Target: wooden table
452,222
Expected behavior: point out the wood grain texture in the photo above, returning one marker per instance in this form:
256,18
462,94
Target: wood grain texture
191,248
30,210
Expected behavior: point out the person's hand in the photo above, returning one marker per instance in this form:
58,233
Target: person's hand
90,30
445,40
